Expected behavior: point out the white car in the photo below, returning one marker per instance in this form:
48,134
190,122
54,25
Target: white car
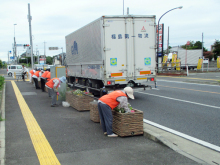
11,69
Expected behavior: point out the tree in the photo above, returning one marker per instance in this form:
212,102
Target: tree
49,60
194,45
216,50
1,65
208,54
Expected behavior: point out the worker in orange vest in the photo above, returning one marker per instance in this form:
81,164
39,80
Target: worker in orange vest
31,73
35,77
43,80
52,86
108,102
48,77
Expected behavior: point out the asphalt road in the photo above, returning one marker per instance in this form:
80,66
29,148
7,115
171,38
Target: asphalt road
186,104
74,138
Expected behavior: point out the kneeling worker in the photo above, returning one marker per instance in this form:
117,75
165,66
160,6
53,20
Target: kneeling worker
52,86
108,102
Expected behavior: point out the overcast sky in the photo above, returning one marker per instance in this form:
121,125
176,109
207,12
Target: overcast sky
52,20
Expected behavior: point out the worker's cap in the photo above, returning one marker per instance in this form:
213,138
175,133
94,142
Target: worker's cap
129,92
63,79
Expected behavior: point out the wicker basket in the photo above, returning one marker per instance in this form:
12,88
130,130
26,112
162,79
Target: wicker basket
94,112
80,103
128,124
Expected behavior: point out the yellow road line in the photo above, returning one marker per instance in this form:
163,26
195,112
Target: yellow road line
190,78
190,89
42,147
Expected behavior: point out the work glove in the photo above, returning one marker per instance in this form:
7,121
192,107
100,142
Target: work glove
56,90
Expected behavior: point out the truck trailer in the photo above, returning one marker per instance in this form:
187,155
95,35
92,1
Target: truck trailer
113,52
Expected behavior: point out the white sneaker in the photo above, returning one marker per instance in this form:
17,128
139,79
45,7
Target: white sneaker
113,135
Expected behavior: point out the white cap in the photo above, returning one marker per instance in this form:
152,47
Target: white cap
129,92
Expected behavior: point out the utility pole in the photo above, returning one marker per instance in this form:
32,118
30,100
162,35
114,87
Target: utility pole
202,52
123,7
15,49
44,52
168,42
30,33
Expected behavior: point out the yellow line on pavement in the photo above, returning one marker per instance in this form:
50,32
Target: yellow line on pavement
42,147
190,89
190,78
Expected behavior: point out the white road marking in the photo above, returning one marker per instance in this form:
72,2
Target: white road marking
188,83
155,89
211,106
206,144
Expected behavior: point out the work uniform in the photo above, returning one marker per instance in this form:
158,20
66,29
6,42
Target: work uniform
36,75
48,77
43,80
51,85
105,106
31,73
24,70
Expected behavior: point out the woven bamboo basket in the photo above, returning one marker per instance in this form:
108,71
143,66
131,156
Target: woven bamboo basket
80,103
94,112
128,124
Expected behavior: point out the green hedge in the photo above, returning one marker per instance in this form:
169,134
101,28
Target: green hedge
2,80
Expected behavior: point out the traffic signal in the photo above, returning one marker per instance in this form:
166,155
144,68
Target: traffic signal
26,45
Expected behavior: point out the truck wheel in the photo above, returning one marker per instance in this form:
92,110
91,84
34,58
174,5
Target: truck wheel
88,84
10,74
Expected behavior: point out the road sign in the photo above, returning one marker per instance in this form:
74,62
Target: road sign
19,44
53,48
11,58
188,43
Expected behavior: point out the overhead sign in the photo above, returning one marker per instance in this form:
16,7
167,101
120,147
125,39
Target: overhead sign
11,58
19,45
53,48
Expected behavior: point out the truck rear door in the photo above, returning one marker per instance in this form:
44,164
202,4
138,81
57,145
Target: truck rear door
129,47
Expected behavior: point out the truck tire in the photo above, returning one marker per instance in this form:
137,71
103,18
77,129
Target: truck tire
88,84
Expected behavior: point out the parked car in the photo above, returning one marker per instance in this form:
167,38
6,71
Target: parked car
11,69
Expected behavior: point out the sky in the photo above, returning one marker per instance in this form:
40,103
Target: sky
52,20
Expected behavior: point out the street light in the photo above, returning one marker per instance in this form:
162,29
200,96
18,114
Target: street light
180,7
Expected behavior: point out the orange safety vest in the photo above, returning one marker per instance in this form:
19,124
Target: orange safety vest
51,83
37,73
32,72
45,74
110,99
48,76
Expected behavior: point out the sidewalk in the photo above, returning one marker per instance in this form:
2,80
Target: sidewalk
75,139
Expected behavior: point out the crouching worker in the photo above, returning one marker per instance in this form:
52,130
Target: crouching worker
52,86
108,102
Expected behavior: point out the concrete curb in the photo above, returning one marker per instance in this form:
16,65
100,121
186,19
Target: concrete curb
2,129
193,151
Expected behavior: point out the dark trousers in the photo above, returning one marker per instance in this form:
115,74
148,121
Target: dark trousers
42,81
105,114
36,83
23,74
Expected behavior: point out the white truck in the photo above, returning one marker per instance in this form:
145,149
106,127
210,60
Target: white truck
113,52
